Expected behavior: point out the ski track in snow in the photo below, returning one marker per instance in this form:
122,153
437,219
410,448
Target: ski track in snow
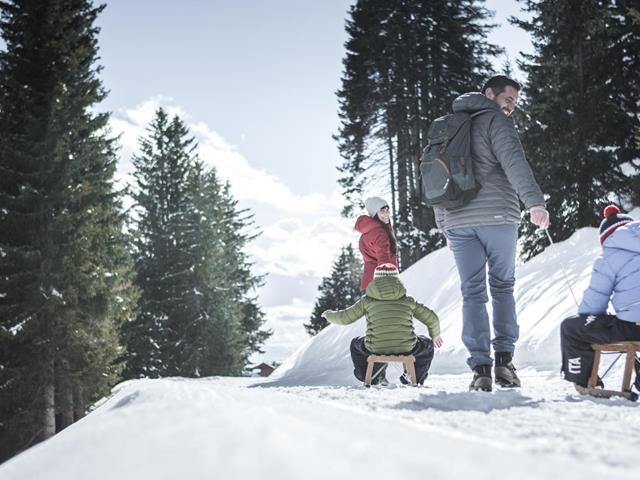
234,428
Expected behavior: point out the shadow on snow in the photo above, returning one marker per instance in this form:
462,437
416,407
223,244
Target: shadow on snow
469,401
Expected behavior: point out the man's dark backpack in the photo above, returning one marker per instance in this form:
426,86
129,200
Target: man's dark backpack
446,167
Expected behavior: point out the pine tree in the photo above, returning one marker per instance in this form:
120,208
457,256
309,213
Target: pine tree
225,278
337,291
65,274
164,258
406,61
196,316
635,15
581,111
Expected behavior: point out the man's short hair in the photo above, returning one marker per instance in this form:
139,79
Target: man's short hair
498,83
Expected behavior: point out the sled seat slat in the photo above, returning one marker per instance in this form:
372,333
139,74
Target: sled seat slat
630,348
407,360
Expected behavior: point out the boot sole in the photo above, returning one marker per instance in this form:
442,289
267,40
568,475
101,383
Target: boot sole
506,380
507,384
482,385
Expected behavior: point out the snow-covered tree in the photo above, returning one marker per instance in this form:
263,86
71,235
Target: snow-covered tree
196,314
337,291
581,107
405,63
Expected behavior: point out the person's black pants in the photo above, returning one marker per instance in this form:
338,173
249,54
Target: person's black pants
423,352
577,333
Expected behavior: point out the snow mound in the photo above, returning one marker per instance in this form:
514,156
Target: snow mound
543,300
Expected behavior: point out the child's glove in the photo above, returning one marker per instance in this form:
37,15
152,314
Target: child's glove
437,341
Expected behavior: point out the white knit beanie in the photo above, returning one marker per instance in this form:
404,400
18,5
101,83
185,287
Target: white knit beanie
373,204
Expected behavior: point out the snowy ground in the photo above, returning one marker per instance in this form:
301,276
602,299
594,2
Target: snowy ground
312,420
221,428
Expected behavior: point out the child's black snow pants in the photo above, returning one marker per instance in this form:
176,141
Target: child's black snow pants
577,333
423,352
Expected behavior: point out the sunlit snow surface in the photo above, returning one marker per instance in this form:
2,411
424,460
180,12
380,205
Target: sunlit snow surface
312,420
236,429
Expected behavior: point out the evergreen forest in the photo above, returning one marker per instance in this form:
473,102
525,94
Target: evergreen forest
91,293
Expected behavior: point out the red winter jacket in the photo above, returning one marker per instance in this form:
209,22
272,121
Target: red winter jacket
374,246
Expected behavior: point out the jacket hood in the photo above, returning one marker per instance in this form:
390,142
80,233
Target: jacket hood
626,237
473,102
364,224
386,288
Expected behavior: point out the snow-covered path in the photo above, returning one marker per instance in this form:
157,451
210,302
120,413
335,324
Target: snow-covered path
224,428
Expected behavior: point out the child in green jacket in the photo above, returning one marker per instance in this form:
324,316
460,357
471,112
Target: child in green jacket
389,312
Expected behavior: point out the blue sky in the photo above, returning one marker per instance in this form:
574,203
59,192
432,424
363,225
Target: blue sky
256,82
261,74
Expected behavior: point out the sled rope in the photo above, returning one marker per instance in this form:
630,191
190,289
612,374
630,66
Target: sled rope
611,366
564,272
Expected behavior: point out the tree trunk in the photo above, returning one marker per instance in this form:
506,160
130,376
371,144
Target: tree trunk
66,408
392,181
403,203
78,403
49,410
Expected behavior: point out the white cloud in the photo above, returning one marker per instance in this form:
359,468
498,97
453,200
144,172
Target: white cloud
293,247
254,184
248,183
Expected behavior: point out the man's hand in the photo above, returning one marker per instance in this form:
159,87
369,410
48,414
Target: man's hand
539,217
437,341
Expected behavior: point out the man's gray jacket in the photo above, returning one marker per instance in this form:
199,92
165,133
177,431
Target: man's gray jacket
499,166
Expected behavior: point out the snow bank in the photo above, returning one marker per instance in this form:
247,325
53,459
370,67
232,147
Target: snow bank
543,300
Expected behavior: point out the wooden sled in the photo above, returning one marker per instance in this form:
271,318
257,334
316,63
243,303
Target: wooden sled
630,348
407,360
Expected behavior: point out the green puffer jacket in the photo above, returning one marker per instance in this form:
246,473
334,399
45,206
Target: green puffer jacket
389,313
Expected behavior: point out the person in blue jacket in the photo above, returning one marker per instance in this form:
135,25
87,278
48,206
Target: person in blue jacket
616,278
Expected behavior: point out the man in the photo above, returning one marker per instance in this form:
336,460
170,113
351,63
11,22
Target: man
485,231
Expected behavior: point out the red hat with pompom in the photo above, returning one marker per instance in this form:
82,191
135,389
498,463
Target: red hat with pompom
612,220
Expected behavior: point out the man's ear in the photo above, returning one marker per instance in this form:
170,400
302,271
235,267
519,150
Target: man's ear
489,94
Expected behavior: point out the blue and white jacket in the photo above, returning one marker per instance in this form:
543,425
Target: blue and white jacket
616,272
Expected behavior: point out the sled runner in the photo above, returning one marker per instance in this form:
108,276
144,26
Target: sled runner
407,360
630,348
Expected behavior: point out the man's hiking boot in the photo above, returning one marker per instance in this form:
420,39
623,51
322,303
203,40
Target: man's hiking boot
505,372
481,378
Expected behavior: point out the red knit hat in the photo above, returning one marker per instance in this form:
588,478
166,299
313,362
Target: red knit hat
612,220
386,270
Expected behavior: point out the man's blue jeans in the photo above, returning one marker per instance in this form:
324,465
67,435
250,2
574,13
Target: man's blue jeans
474,248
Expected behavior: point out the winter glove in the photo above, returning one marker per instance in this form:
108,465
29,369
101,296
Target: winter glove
539,217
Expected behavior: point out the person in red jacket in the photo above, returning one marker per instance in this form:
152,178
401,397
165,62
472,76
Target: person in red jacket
377,241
